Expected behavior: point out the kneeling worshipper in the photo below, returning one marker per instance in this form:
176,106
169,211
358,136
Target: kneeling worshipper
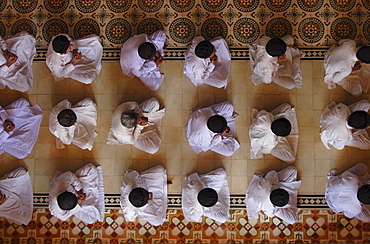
74,124
346,126
80,194
275,194
213,128
144,195
141,56
16,55
207,195
349,192
276,60
348,67
275,133
19,127
16,197
79,60
138,125
208,62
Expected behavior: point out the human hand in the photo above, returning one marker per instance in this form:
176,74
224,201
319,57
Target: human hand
81,197
357,66
11,58
2,198
281,58
158,59
8,126
76,57
142,121
226,132
214,59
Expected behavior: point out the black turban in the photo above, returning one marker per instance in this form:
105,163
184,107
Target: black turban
67,117
275,47
217,124
359,119
204,49
363,194
67,200
363,54
138,197
281,127
60,44
207,197
147,50
279,197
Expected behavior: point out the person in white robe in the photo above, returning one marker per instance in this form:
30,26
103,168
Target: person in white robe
150,206
79,60
275,194
19,127
338,131
342,192
16,55
74,124
276,60
218,136
141,56
208,62
275,133
16,197
138,125
348,67
215,206
87,189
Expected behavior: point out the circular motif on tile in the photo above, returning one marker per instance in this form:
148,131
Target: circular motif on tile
311,30
119,6
342,5
2,29
246,5
86,27
366,29
149,26
24,25
246,30
182,5
343,28
182,30
24,6
278,5
214,27
279,27
310,5
366,3
56,6
87,6
150,5
52,28
118,31
214,5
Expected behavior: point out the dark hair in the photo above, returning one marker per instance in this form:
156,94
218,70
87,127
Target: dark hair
275,47
359,119
281,127
217,124
207,197
138,197
146,50
60,44
67,117
204,49
67,200
129,119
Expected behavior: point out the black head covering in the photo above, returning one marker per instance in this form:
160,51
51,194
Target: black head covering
217,124
363,194
281,127
138,197
275,47
67,117
207,197
146,50
67,200
279,197
204,49
60,44
359,119
363,54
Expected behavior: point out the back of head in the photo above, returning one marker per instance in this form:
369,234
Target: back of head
217,124
359,119
363,194
129,119
279,197
363,54
207,197
204,49
281,127
275,47
146,50
67,117
60,44
67,200
138,197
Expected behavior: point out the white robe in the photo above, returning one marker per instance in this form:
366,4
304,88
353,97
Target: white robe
341,192
264,141
19,75
146,138
154,180
17,187
193,184
27,120
82,132
335,131
258,194
265,68
87,70
88,178
201,71
202,139
133,65
339,61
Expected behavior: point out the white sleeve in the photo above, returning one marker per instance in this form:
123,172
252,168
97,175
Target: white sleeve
286,214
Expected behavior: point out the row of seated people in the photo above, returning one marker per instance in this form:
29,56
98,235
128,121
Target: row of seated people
144,195
206,62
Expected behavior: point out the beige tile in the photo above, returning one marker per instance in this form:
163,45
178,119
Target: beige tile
307,186
239,183
320,182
